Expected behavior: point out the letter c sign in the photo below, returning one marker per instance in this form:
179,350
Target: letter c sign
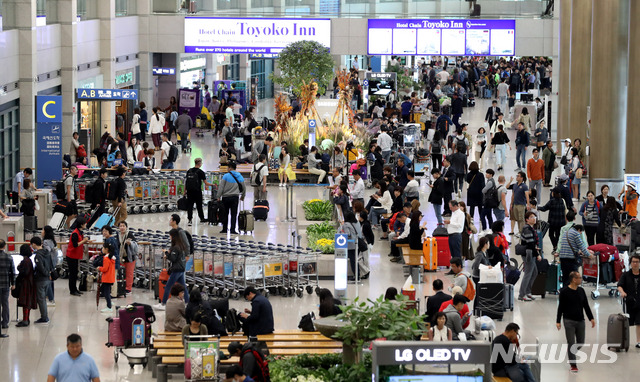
49,109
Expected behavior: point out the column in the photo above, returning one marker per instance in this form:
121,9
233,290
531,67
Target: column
107,16
606,127
67,12
144,56
21,15
579,89
245,68
632,164
563,67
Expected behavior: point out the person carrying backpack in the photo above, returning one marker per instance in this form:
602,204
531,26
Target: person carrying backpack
193,190
259,175
95,194
252,361
230,191
169,153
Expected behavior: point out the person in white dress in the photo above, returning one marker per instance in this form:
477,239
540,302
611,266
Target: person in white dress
440,332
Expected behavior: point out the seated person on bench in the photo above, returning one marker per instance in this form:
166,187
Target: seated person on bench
505,363
235,374
258,320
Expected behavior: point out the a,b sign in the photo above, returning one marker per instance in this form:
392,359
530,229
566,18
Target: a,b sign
49,109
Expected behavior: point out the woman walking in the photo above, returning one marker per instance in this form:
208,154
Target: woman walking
128,252
156,127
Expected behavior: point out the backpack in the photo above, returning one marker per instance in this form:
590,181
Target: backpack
61,189
190,240
111,157
192,183
491,198
261,362
231,322
392,220
256,179
470,292
81,151
436,147
461,145
442,125
209,319
173,153
112,190
90,193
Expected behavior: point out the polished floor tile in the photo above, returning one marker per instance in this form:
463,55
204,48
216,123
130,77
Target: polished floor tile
28,352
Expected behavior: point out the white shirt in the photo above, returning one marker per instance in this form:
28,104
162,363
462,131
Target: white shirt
407,228
443,75
440,335
385,141
412,188
456,224
156,125
165,150
502,89
358,190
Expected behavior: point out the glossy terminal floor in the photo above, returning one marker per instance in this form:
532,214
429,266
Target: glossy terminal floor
27,354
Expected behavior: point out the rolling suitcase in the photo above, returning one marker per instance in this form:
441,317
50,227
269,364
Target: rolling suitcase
213,212
31,223
115,333
127,315
121,283
618,331
490,300
539,287
444,254
57,220
162,282
509,296
430,253
553,278
82,285
245,221
261,209
106,219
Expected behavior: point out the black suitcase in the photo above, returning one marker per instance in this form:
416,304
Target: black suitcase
31,223
213,212
440,231
183,204
490,300
82,286
245,221
260,209
539,287
121,283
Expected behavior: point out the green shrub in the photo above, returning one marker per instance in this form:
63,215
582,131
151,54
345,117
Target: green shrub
317,209
321,237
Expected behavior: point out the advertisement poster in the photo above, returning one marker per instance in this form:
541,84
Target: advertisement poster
446,37
251,35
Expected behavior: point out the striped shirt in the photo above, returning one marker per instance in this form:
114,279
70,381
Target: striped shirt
571,245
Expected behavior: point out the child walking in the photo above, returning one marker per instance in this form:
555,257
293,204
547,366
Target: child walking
108,270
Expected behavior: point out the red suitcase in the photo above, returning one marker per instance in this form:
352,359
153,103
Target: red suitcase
127,315
162,282
115,333
444,255
618,268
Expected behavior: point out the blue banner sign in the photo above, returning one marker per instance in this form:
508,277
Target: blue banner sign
107,94
49,154
164,71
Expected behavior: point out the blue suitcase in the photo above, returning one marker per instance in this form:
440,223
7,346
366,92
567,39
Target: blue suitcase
106,219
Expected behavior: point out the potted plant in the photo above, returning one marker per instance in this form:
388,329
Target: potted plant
376,319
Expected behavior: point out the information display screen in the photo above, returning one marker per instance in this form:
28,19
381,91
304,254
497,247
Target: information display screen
441,37
251,35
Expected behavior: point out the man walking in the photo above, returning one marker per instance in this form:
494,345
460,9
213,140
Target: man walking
629,288
492,113
42,277
535,172
357,192
502,210
193,189
183,125
73,365
385,142
519,202
454,228
573,304
530,241
448,177
121,197
99,196
231,190
522,142
7,284
259,176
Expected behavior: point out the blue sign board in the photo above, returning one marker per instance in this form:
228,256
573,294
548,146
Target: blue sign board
164,71
49,109
342,241
312,132
107,94
49,152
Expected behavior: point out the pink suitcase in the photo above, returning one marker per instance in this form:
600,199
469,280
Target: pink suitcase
115,334
127,315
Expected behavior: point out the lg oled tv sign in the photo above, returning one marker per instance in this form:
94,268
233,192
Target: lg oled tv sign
251,35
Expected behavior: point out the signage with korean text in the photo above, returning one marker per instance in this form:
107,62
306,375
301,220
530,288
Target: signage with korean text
107,94
125,78
48,139
164,71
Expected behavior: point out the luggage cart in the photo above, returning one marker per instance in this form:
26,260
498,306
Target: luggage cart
146,195
274,279
303,271
155,194
131,194
201,358
137,195
591,269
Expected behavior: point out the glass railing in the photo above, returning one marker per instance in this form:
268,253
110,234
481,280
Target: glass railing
360,8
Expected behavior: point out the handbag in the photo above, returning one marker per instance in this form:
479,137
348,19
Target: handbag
54,274
555,165
183,204
362,245
521,249
306,322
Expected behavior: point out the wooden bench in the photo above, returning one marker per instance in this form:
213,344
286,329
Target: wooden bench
501,379
272,346
413,257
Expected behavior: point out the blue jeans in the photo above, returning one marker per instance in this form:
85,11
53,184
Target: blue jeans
175,277
375,214
519,372
485,218
501,155
455,245
521,156
386,155
499,214
167,166
51,292
437,208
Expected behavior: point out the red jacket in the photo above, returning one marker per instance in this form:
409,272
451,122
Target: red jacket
76,252
464,311
108,270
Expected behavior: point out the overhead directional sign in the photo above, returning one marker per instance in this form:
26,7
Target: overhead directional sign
107,94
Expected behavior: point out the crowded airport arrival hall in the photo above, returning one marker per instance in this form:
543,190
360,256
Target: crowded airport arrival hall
319,190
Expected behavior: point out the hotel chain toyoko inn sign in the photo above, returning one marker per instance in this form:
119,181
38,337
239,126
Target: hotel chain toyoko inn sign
251,35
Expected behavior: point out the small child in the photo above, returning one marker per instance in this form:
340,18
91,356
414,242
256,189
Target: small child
108,270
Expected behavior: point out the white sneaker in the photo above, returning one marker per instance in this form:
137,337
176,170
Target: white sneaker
159,307
107,310
51,303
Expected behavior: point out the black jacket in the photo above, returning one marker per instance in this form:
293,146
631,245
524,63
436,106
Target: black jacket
260,321
177,259
367,232
122,189
489,116
476,184
448,183
433,304
456,106
100,190
43,265
435,197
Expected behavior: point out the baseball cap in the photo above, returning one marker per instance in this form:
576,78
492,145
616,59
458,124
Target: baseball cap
563,177
631,185
568,140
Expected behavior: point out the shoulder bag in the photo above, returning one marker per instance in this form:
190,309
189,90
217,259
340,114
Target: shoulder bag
578,257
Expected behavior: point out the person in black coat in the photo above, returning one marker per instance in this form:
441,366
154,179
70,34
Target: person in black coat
492,113
416,231
449,178
378,164
436,195
434,302
258,320
208,317
474,192
367,232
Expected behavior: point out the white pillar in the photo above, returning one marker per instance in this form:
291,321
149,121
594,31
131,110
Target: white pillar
107,16
67,17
